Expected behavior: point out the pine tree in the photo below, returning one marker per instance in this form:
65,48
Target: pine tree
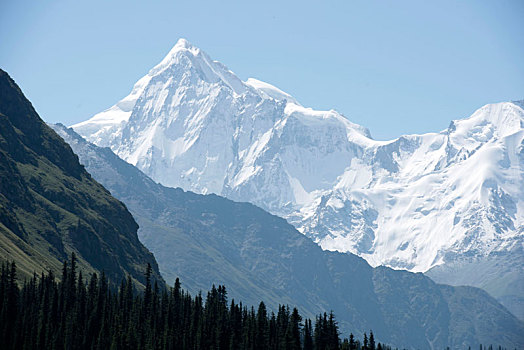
308,336
352,344
293,331
371,341
332,332
262,328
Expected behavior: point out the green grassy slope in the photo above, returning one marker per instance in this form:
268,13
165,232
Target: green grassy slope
50,206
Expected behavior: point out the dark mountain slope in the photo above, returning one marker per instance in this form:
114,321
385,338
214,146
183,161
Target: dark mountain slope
51,207
259,256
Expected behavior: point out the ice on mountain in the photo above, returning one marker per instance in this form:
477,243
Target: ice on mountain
191,123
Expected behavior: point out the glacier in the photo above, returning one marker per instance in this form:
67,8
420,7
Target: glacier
416,202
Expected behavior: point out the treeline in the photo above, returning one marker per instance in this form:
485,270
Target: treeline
78,313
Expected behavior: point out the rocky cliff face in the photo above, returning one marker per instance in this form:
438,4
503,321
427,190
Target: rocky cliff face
50,207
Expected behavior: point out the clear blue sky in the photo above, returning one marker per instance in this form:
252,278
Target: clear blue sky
396,67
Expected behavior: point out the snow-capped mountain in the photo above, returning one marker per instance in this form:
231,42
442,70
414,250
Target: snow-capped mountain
412,203
207,239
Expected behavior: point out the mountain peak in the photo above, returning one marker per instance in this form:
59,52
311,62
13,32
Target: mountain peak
492,120
197,126
181,46
184,44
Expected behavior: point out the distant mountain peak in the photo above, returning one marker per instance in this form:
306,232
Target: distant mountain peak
183,44
491,121
407,203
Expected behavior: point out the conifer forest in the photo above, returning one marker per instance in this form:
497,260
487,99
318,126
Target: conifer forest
73,312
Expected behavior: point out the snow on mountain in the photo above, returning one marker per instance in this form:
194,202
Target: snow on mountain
269,91
427,198
411,203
